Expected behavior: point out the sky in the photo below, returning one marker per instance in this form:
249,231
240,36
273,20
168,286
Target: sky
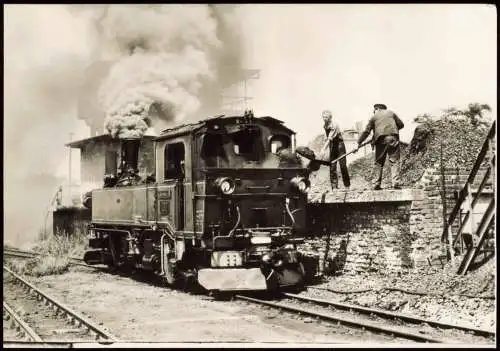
413,58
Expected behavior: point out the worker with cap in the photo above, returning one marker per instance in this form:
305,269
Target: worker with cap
336,148
385,125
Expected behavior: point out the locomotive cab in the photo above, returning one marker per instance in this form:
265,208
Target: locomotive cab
227,208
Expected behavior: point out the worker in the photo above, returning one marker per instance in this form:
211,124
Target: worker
334,148
385,125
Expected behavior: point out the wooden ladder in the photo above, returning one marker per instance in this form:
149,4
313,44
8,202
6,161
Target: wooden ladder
478,240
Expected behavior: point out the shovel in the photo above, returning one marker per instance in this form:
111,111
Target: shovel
328,163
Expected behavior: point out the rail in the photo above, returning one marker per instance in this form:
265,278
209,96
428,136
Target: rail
392,315
72,315
365,325
469,199
20,324
30,254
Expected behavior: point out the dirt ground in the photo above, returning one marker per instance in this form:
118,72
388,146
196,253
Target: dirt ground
137,311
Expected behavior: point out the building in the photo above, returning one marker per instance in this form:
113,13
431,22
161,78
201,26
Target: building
351,136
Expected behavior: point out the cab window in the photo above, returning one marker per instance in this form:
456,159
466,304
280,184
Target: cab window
174,158
278,143
247,143
212,151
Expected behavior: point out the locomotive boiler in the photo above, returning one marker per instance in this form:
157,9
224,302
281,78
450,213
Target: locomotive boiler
225,207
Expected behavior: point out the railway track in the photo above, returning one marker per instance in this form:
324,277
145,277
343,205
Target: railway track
396,316
10,252
39,318
378,321
375,320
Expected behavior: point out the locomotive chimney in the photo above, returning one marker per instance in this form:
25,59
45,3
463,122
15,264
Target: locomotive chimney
130,154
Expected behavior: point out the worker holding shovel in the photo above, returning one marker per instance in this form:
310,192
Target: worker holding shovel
333,149
315,163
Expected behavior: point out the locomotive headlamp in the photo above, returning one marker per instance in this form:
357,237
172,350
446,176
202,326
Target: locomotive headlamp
266,258
226,185
301,184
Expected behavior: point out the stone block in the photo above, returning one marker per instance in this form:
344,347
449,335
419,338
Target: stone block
363,196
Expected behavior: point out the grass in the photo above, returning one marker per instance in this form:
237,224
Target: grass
54,253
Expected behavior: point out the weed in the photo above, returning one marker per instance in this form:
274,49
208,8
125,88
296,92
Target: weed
54,252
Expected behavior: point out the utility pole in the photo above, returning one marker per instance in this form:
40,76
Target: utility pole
443,187
245,97
69,171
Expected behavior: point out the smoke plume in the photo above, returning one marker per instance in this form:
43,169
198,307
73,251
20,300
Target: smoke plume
163,56
45,51
153,62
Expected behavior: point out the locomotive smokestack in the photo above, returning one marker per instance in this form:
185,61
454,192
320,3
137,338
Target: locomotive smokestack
130,154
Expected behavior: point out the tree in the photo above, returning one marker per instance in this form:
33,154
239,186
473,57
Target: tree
474,112
423,118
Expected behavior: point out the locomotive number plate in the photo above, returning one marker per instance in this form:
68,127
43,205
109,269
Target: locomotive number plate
164,206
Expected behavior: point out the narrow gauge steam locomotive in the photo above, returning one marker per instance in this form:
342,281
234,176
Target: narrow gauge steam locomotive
226,207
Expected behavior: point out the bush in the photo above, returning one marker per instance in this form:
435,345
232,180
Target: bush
54,252
41,265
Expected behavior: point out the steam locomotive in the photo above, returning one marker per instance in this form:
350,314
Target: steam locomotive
225,208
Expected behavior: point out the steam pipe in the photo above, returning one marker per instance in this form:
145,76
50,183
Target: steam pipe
171,237
171,229
287,202
162,254
237,222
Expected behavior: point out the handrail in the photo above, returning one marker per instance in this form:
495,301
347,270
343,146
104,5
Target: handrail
463,192
481,186
482,153
486,222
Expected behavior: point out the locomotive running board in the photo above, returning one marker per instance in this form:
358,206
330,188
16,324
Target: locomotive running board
226,279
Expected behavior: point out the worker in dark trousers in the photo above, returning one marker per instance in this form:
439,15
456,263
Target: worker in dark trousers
336,148
385,125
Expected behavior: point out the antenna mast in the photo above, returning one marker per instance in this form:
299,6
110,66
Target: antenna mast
232,100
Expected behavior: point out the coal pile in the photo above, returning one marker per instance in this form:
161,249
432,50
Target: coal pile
420,154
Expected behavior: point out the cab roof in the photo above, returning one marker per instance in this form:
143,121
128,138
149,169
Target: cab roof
193,127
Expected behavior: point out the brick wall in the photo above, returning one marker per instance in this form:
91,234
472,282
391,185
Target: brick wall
385,230
71,220
368,233
426,219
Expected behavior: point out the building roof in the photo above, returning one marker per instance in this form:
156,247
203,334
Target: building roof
78,144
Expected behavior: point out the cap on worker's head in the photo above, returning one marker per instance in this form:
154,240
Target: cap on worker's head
326,113
381,106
